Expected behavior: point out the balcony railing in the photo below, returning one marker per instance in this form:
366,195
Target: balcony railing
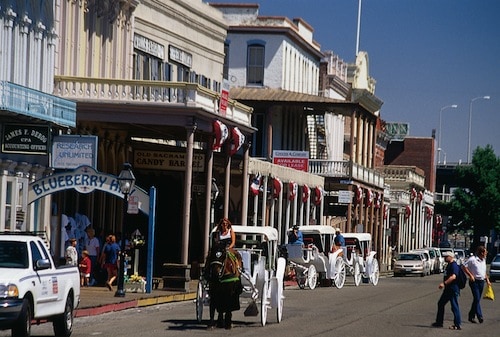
403,175
170,93
36,104
347,170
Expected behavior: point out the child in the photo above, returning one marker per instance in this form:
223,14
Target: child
85,269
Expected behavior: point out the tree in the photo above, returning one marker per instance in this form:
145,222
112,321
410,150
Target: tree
477,200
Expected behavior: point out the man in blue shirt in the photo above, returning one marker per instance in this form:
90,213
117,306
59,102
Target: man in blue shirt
296,236
450,293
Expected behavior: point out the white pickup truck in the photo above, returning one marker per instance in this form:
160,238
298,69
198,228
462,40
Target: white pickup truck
32,288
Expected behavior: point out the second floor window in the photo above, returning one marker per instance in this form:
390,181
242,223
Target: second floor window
255,64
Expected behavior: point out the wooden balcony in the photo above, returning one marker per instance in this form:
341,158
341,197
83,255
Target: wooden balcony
346,169
175,94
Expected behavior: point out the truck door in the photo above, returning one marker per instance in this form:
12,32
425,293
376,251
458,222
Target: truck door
47,286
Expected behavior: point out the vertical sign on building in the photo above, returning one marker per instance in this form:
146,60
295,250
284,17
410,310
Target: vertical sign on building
224,97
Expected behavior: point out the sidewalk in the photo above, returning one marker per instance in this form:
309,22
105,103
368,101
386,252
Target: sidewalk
99,300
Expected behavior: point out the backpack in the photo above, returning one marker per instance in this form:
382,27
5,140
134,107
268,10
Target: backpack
461,278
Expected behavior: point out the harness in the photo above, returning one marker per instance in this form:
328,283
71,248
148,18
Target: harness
231,277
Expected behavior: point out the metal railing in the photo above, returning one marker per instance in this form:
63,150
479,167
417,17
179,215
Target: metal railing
33,103
346,169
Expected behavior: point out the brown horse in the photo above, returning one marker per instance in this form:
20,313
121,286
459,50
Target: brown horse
223,270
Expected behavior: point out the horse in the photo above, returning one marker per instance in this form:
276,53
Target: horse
223,271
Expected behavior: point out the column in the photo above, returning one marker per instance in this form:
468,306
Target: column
187,194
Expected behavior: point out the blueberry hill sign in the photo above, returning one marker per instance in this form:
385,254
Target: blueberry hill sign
84,179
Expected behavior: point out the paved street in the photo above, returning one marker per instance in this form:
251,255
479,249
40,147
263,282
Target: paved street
396,307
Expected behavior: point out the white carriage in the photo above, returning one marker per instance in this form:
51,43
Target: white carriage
314,262
361,261
262,275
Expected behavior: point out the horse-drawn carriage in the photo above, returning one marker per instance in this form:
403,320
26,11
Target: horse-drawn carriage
315,262
261,274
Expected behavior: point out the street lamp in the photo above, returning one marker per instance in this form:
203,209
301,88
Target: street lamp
470,122
454,106
126,179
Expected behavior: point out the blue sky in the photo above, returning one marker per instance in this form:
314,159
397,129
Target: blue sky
424,55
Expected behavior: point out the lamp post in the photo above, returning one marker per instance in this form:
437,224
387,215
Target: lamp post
126,179
454,106
470,123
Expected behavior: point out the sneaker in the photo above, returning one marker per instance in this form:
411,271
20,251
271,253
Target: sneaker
437,325
480,319
455,327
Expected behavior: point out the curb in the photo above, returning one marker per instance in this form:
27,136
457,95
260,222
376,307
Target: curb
85,312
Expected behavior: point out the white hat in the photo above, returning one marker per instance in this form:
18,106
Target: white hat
448,253
337,229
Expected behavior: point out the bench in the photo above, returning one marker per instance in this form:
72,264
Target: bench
176,277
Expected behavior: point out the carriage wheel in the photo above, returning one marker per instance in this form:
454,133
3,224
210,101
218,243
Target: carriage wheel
339,277
199,302
281,301
375,272
357,274
264,302
312,277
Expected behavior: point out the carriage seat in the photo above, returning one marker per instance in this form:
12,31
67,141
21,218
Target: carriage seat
250,259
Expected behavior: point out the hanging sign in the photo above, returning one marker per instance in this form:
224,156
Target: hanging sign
29,139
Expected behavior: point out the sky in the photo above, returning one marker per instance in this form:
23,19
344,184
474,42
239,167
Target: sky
424,55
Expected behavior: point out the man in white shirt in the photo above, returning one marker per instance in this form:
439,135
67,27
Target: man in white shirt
475,268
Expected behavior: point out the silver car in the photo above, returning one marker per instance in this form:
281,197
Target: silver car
410,263
495,268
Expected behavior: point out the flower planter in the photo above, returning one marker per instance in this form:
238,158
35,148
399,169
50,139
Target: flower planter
135,287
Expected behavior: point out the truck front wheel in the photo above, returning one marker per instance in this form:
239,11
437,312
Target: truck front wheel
23,326
63,324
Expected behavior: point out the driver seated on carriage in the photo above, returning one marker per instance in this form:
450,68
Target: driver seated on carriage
338,241
225,236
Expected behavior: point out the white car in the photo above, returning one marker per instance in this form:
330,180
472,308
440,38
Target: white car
427,259
440,259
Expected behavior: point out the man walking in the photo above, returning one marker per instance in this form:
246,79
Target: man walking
450,293
475,268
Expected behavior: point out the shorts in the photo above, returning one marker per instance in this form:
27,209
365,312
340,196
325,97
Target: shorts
84,275
111,266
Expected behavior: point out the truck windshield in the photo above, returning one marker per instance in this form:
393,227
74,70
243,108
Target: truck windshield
13,254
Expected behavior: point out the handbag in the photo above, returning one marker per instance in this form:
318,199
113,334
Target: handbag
489,294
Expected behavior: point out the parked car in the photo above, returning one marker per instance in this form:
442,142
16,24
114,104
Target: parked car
440,258
410,263
460,255
434,259
495,268
446,249
427,259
